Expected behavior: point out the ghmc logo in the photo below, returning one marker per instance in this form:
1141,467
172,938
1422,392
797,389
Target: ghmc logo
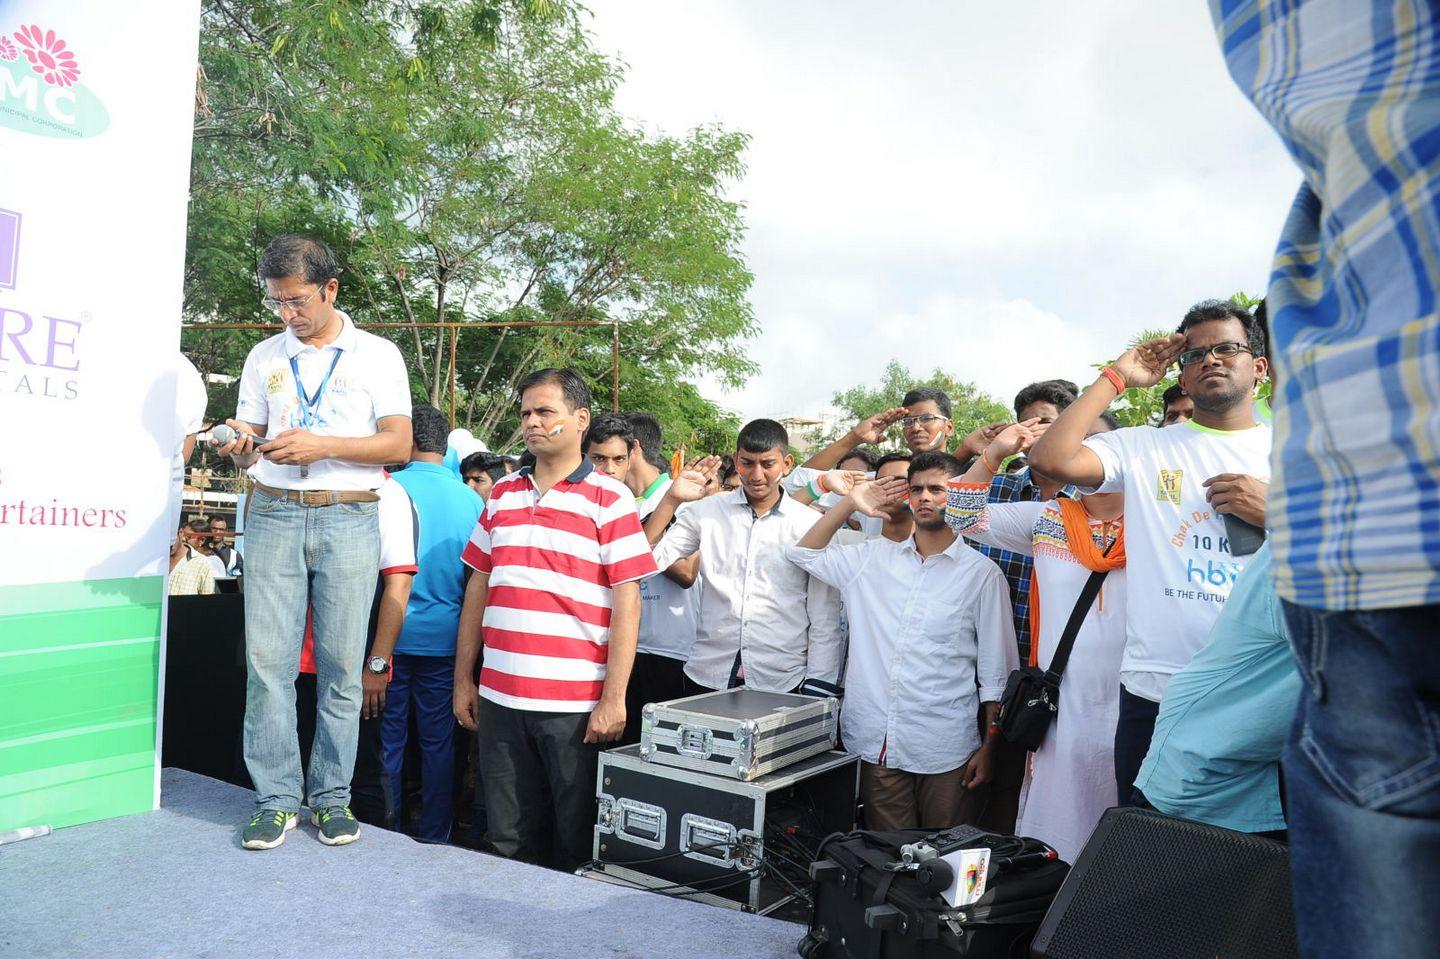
40,88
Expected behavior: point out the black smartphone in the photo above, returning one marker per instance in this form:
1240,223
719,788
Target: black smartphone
1245,538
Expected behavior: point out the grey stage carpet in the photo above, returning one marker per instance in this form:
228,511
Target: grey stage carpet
175,883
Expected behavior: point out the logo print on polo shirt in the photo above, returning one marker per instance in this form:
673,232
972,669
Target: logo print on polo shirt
275,381
1168,486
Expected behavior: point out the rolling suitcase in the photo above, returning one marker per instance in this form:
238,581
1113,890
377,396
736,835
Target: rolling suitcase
867,908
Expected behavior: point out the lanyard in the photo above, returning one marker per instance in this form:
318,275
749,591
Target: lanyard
309,404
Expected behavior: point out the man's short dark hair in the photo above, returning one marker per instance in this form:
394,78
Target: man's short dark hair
291,254
430,428
198,526
1168,398
512,463
652,441
727,468
1108,418
935,460
1059,392
607,426
483,462
897,456
527,458
576,390
933,393
759,436
218,519
1208,311
865,453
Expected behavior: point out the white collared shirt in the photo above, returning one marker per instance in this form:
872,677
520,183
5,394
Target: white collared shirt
368,384
930,639
785,624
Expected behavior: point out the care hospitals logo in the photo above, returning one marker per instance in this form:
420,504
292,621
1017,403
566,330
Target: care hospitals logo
39,352
40,88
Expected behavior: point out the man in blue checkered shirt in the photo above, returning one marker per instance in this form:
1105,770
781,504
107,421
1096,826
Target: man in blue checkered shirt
1353,89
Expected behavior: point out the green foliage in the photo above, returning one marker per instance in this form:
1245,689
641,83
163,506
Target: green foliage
465,160
1147,407
971,407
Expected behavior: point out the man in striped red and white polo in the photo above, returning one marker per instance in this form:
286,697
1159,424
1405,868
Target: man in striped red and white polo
558,557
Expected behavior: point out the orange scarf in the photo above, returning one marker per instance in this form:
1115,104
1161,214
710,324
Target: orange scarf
1083,548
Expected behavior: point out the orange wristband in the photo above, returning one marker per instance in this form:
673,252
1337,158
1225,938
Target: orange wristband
1116,380
986,460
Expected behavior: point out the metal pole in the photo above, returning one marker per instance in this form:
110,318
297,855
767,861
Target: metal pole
615,367
454,335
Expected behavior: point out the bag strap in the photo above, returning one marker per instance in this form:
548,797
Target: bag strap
1077,617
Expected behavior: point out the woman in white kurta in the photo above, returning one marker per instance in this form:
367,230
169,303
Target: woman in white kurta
1071,778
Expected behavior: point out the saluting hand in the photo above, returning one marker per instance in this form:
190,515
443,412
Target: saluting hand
1145,365
872,429
873,497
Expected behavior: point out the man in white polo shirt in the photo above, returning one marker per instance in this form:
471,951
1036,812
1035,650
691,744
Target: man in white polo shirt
555,598
333,404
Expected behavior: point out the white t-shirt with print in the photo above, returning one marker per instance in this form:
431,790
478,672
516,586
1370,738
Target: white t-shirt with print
368,383
1179,568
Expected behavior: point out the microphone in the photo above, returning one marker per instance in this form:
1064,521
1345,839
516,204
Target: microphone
222,434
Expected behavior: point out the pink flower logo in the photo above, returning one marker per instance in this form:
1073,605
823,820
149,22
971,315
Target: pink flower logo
7,49
48,56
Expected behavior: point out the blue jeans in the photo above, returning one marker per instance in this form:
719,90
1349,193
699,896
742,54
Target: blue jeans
327,557
423,686
1362,772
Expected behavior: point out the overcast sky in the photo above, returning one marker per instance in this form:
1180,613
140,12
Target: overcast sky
1009,191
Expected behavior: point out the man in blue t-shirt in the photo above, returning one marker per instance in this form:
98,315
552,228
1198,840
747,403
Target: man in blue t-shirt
422,669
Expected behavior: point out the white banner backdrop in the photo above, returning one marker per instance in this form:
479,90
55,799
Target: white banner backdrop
96,110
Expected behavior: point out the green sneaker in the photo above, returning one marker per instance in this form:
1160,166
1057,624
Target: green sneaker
267,828
337,825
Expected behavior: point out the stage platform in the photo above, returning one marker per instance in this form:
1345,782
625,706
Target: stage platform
175,883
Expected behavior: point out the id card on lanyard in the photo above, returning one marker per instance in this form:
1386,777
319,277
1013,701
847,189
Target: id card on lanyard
309,404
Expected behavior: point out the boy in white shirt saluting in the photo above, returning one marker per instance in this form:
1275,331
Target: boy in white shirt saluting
764,622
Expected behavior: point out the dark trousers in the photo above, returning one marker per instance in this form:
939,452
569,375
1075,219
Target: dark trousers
653,679
1132,741
423,686
538,774
370,784
1002,799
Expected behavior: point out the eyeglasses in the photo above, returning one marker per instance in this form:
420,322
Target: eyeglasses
924,419
1222,351
294,306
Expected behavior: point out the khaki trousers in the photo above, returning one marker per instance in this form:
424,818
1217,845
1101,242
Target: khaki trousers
895,799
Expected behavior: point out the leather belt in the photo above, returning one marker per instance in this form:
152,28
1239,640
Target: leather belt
321,497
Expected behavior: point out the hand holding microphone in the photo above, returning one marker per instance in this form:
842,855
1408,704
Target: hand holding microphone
237,441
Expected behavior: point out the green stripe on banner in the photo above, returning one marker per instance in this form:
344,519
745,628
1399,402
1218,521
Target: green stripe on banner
78,690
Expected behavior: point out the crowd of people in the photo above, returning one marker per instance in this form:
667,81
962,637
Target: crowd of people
1201,621
533,607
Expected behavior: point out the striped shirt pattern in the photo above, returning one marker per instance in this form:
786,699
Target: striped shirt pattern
553,563
1353,89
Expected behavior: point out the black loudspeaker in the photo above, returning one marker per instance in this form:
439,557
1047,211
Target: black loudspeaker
1148,885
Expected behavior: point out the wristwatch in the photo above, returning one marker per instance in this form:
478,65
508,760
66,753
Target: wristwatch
378,665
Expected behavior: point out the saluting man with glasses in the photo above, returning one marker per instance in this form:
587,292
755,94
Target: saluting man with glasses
332,404
1179,484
